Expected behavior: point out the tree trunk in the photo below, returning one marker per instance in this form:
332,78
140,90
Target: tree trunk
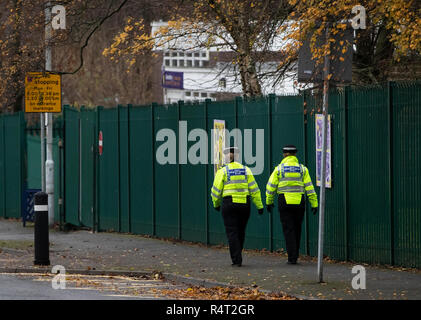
17,83
249,80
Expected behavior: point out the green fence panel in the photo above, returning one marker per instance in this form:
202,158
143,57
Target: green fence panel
193,185
34,162
2,167
142,162
287,127
252,118
87,163
406,102
71,168
221,110
13,175
166,175
108,171
368,150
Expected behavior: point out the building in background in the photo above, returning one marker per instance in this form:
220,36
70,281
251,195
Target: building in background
196,75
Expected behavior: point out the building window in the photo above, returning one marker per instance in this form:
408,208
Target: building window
198,96
222,83
180,59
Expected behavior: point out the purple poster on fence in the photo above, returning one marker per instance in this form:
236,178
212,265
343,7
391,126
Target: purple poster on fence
172,80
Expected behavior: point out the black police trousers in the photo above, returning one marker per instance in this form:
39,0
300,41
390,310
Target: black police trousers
236,216
291,218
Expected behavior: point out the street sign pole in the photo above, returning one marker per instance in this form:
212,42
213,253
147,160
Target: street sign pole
323,165
42,134
49,164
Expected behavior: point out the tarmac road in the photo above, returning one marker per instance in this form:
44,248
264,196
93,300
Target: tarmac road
79,287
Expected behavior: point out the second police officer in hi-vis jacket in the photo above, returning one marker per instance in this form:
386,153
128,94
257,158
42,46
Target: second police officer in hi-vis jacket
291,181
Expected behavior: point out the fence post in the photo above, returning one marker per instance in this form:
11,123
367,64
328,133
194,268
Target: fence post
345,167
179,105
4,164
269,135
81,111
207,102
61,178
96,216
153,105
129,106
237,102
65,107
22,156
390,167
305,120
118,168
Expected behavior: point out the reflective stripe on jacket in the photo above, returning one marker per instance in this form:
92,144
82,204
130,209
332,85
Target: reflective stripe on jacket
237,181
293,180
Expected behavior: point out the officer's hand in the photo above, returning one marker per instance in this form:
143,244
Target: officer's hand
218,208
270,207
315,210
260,211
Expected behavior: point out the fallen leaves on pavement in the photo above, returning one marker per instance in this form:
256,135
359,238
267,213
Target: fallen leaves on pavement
224,293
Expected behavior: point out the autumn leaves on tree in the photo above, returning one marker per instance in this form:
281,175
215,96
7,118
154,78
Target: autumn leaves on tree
255,32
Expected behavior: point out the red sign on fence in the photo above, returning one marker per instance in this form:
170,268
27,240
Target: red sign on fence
100,143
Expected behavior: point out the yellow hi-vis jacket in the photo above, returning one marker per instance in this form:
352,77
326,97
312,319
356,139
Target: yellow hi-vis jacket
237,181
292,179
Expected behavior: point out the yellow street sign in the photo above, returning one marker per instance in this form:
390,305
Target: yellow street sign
42,92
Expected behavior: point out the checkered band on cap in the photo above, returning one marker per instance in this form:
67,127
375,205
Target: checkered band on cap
289,148
231,150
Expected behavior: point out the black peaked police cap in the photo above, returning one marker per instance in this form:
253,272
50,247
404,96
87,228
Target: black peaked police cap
289,149
231,150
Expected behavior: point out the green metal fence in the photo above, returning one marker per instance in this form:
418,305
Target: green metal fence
12,173
374,136
20,165
372,210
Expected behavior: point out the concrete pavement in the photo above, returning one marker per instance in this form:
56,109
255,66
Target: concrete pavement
203,265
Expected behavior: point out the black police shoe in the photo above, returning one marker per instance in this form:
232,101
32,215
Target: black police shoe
236,265
292,262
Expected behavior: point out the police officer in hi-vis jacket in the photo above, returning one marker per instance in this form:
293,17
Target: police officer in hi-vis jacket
233,187
291,181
